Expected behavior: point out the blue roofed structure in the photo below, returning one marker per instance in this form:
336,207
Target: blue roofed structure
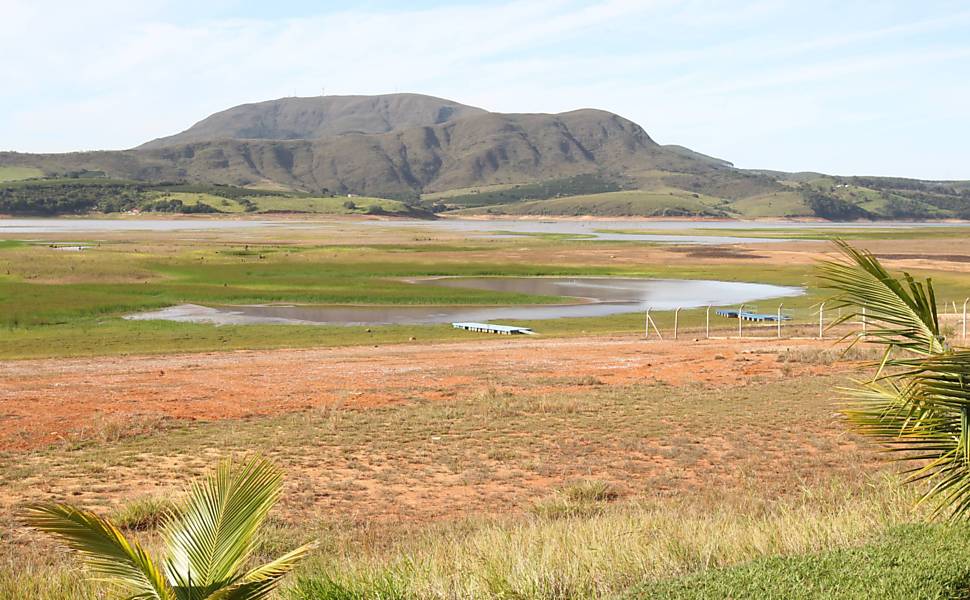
489,328
749,316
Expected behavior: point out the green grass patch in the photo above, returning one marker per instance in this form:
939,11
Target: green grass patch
912,561
19,173
774,204
616,203
341,205
69,304
812,233
221,204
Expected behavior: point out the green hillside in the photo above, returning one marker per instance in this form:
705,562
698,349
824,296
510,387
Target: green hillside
84,195
825,198
620,204
18,173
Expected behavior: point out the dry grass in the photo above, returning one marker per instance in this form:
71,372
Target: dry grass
143,514
859,352
583,491
591,555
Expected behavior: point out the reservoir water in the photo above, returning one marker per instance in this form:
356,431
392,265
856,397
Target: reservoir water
594,296
673,231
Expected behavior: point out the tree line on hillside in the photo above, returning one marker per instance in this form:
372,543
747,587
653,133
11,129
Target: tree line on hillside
78,196
569,186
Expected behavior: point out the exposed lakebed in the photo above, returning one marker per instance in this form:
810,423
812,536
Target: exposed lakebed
594,297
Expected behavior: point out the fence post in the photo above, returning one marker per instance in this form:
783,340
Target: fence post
965,319
646,325
821,322
740,322
779,318
651,322
707,323
676,319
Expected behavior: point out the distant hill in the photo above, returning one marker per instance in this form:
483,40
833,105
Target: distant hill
322,116
437,154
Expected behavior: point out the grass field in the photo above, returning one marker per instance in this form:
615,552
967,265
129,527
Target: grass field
821,233
624,203
776,204
584,466
57,303
334,206
18,173
341,205
193,199
78,299
545,515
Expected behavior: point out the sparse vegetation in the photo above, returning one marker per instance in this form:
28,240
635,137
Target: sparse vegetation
143,514
82,195
688,480
209,540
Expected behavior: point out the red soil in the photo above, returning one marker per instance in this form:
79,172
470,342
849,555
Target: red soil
44,401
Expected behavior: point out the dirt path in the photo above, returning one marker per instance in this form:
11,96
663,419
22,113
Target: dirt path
43,401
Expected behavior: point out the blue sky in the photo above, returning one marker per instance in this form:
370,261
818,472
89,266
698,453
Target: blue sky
844,87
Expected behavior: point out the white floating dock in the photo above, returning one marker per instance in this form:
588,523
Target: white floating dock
489,328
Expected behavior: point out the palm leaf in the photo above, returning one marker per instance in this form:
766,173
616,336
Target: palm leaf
103,548
902,313
917,406
216,531
259,582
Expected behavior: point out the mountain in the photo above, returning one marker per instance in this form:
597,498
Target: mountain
446,155
398,145
314,118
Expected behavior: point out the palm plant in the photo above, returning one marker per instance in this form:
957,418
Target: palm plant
918,402
209,540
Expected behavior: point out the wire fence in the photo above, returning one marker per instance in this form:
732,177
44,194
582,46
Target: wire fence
750,322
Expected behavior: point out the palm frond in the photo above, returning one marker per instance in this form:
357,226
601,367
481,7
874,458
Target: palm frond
902,313
261,581
216,531
918,405
105,551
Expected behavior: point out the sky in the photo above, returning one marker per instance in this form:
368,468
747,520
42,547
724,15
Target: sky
842,87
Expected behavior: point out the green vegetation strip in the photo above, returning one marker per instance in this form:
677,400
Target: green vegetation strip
70,304
86,193
822,234
55,303
912,561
